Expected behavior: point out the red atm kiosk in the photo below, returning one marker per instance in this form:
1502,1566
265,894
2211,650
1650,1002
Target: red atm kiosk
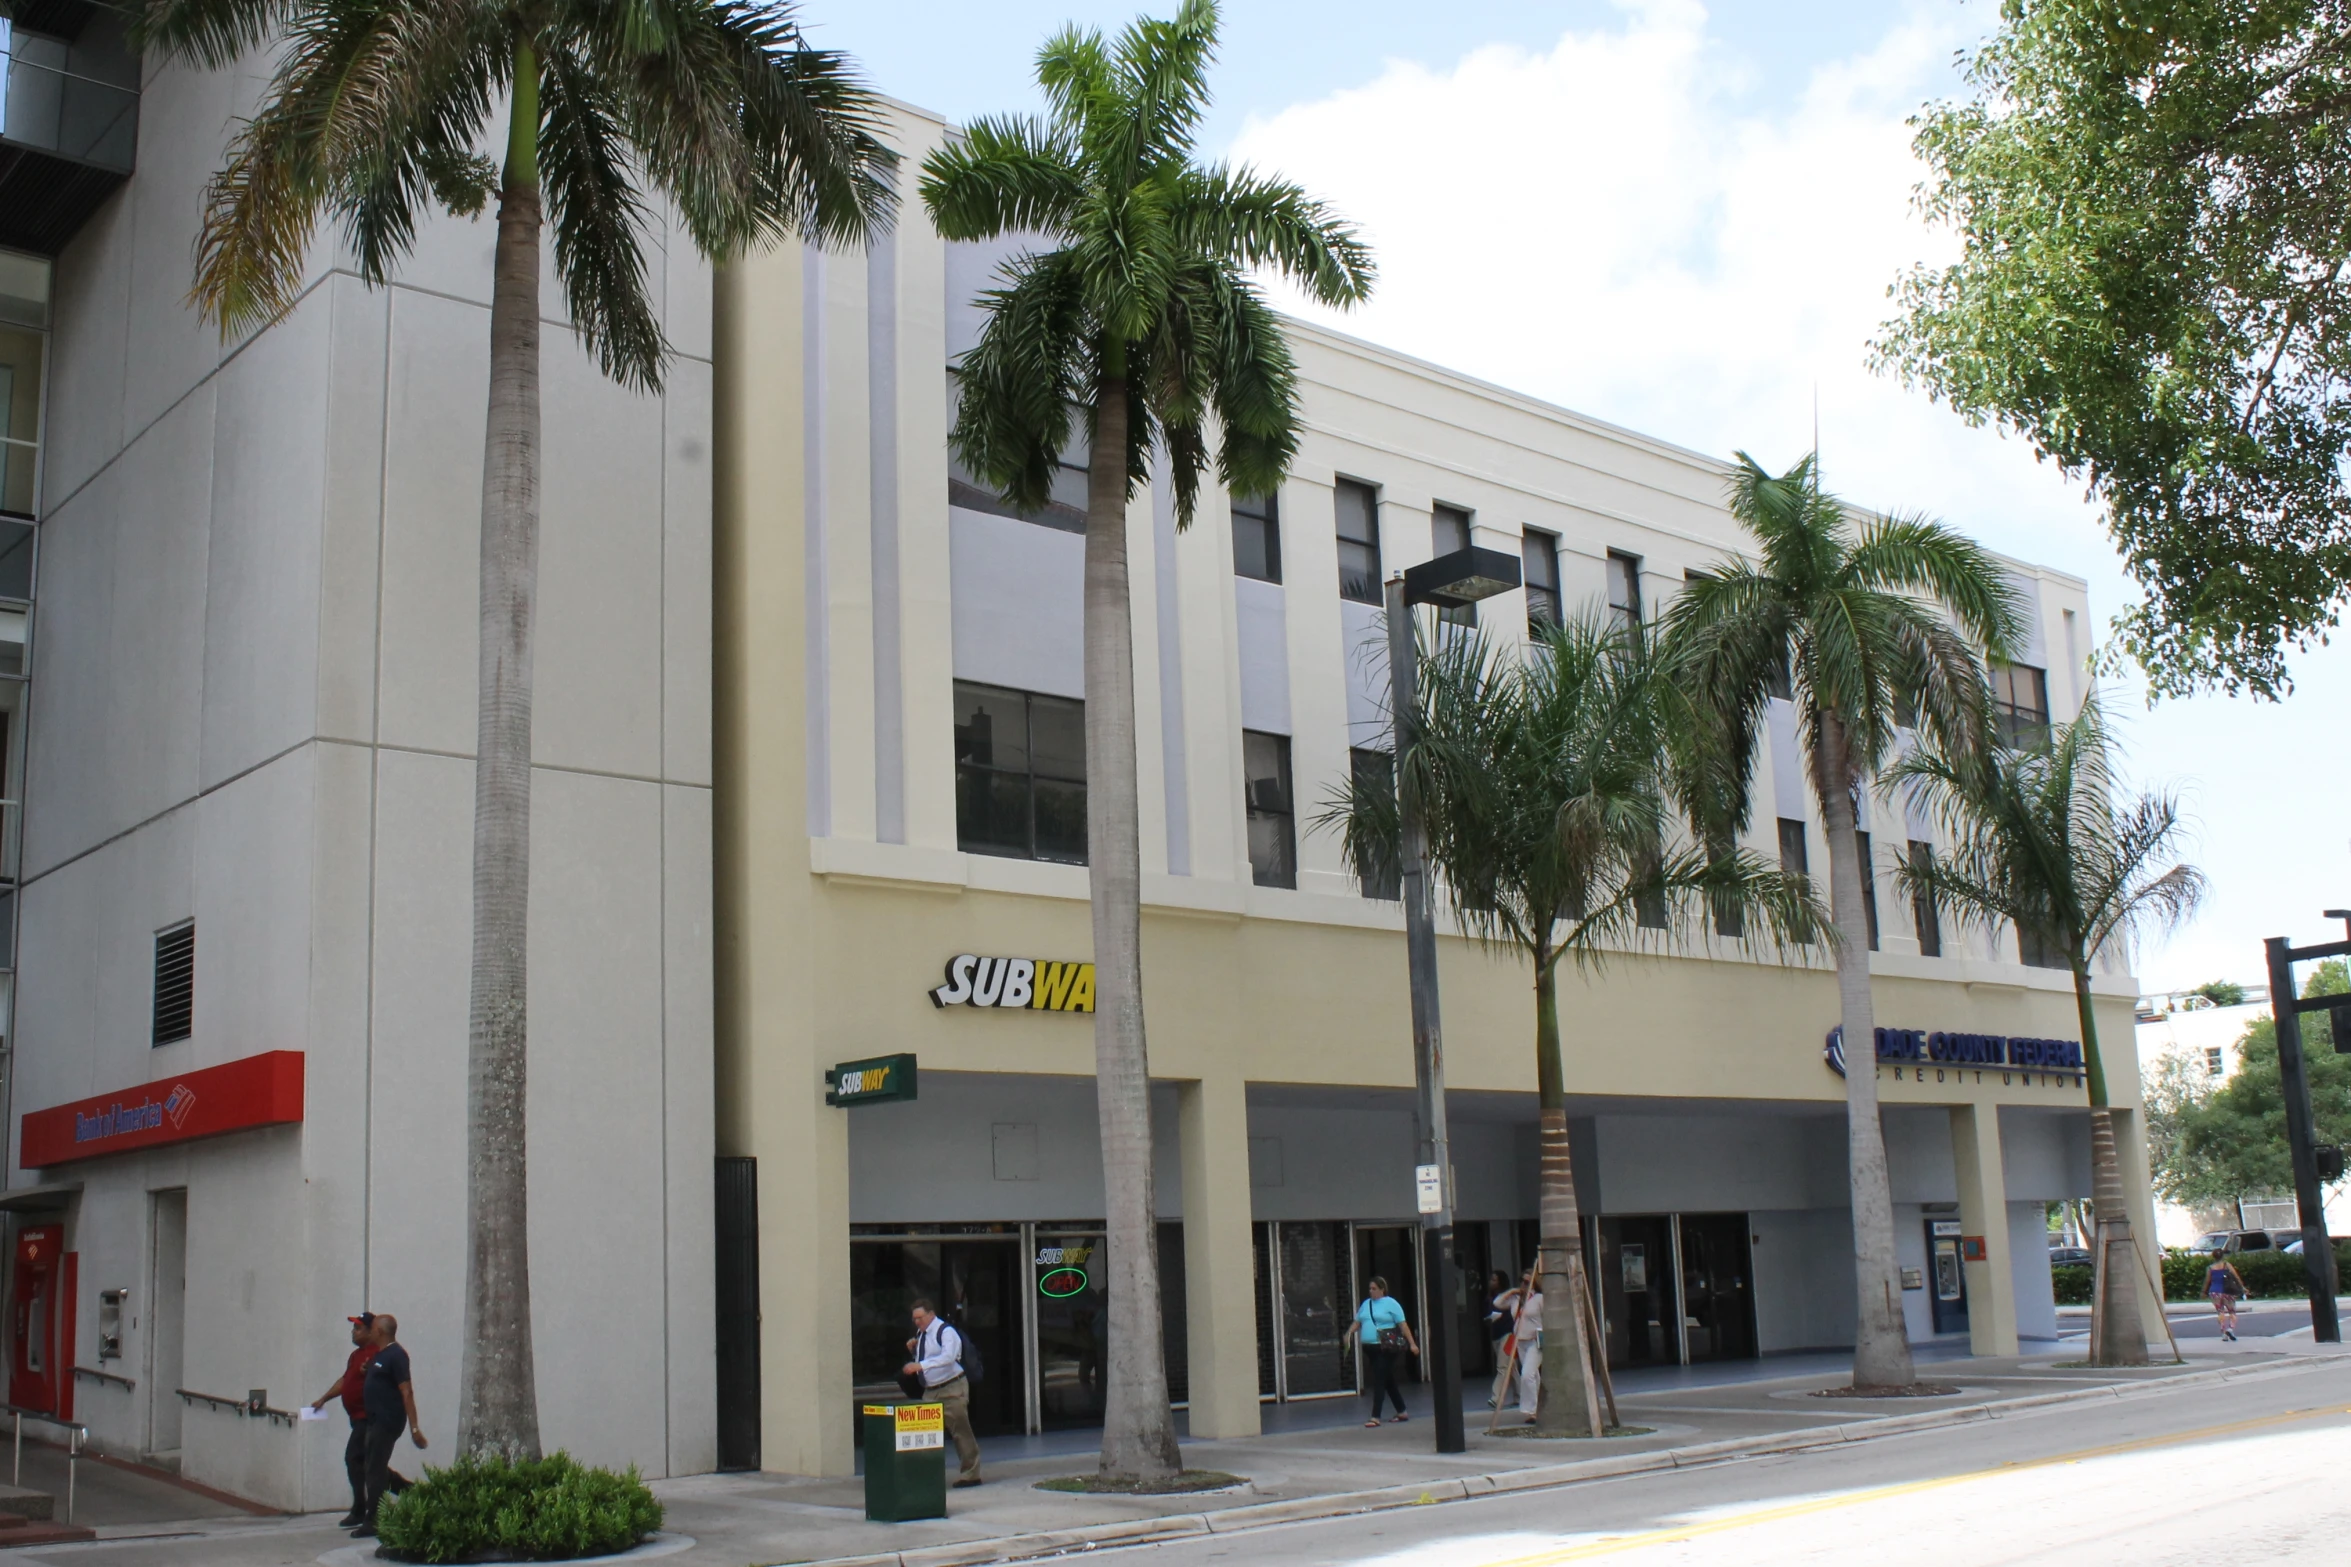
40,1322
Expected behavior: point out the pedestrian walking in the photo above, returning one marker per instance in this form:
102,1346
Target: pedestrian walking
1379,1326
351,1388
389,1396
1528,1337
2224,1286
937,1348
1501,1325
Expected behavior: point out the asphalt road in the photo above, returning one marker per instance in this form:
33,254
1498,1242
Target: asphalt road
2250,1472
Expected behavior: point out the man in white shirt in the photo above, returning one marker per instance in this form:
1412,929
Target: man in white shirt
937,1349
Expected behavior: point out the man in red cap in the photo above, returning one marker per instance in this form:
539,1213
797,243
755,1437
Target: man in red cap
351,1388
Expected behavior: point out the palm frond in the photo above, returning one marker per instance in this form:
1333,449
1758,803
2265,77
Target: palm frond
599,222
1249,221
1018,383
212,33
1003,176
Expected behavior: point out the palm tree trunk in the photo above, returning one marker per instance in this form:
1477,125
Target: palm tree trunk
2117,1335
498,1409
1570,1401
1138,1426
1881,1340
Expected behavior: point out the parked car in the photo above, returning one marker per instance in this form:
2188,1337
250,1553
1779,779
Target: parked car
2219,1242
2069,1256
2290,1242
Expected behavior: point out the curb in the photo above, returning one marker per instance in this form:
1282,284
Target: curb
1142,1531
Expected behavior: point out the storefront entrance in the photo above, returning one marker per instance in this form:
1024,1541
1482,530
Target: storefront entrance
1304,1274
1676,1288
975,1280
1392,1252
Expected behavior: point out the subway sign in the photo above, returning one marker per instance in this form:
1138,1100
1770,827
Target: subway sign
1027,984
2011,1052
878,1080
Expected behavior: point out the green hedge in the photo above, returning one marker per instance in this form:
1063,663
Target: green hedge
2268,1275
538,1510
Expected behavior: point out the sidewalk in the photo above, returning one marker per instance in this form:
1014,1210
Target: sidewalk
1318,1460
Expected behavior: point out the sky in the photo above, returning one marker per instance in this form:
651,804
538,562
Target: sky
1684,218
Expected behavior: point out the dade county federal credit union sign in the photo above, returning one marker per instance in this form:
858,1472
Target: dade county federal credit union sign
1029,984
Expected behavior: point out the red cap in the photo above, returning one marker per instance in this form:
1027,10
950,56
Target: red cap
365,1319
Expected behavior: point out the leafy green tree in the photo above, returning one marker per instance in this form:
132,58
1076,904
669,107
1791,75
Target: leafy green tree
1134,308
1870,627
369,119
2152,201
2039,841
2230,1143
2221,992
1549,788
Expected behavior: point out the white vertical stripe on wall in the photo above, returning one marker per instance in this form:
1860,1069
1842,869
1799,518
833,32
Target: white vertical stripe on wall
812,337
889,708
1171,677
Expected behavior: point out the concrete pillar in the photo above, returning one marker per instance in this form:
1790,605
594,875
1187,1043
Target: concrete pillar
771,1058
1983,1212
1220,1264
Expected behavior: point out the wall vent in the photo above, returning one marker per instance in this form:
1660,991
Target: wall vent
175,983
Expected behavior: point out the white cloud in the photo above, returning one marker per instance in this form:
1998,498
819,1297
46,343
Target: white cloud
1623,226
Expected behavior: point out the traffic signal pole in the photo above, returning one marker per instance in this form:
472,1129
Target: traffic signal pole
2287,1006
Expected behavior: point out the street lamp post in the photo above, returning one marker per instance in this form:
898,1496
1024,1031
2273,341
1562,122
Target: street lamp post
1463,577
2287,1007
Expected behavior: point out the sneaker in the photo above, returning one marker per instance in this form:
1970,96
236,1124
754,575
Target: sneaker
351,1520
962,1481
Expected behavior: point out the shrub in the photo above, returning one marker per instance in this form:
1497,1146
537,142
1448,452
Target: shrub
2071,1284
540,1510
2267,1275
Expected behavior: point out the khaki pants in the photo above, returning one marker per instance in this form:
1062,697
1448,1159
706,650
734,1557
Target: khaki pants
955,1394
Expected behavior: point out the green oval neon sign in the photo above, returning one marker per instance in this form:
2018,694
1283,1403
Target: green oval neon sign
1062,1283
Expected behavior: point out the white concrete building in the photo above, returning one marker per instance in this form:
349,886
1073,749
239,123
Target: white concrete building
254,708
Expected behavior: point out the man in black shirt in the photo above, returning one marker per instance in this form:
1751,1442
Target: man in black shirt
390,1397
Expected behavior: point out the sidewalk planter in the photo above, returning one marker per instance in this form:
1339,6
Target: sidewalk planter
539,1510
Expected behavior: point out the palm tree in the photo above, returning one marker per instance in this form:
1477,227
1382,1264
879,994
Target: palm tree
2039,842
1134,310
1548,787
371,117
1867,627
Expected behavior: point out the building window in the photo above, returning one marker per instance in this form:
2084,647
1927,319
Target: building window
1359,541
2212,1060
1273,842
1649,904
1374,774
1923,913
1257,537
2020,705
1065,503
1538,554
1624,589
1869,886
1020,774
2038,952
1448,533
1793,858
175,983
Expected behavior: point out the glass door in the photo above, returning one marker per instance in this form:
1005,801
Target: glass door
1639,1301
974,1283
1073,1328
1313,1272
1391,1252
1718,1304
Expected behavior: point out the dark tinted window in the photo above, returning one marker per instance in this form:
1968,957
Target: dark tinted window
1624,587
1374,772
1869,887
1020,774
1538,555
1273,841
1257,537
2020,705
1358,507
1448,532
1923,913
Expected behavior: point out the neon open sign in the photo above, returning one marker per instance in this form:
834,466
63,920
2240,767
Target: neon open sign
1062,1283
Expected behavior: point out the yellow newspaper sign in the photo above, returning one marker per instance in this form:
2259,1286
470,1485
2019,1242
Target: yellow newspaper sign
921,1426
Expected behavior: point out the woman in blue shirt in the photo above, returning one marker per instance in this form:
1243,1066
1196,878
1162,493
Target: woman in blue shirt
1380,1325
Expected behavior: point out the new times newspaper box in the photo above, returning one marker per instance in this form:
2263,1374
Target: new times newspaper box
905,1461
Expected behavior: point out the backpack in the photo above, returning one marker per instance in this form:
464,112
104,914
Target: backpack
970,1358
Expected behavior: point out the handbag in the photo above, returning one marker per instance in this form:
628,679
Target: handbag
910,1383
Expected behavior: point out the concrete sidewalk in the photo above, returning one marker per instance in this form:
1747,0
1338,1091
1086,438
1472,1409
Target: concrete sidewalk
1333,1465
1317,1460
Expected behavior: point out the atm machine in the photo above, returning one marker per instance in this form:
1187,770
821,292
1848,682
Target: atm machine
41,1321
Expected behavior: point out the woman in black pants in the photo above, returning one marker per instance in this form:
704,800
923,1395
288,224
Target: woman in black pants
1380,1325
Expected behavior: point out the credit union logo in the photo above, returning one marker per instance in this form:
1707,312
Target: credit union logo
1029,984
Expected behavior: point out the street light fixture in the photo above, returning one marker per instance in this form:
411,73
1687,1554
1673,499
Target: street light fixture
1450,581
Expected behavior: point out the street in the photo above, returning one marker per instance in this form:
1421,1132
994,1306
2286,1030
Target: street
2252,1472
